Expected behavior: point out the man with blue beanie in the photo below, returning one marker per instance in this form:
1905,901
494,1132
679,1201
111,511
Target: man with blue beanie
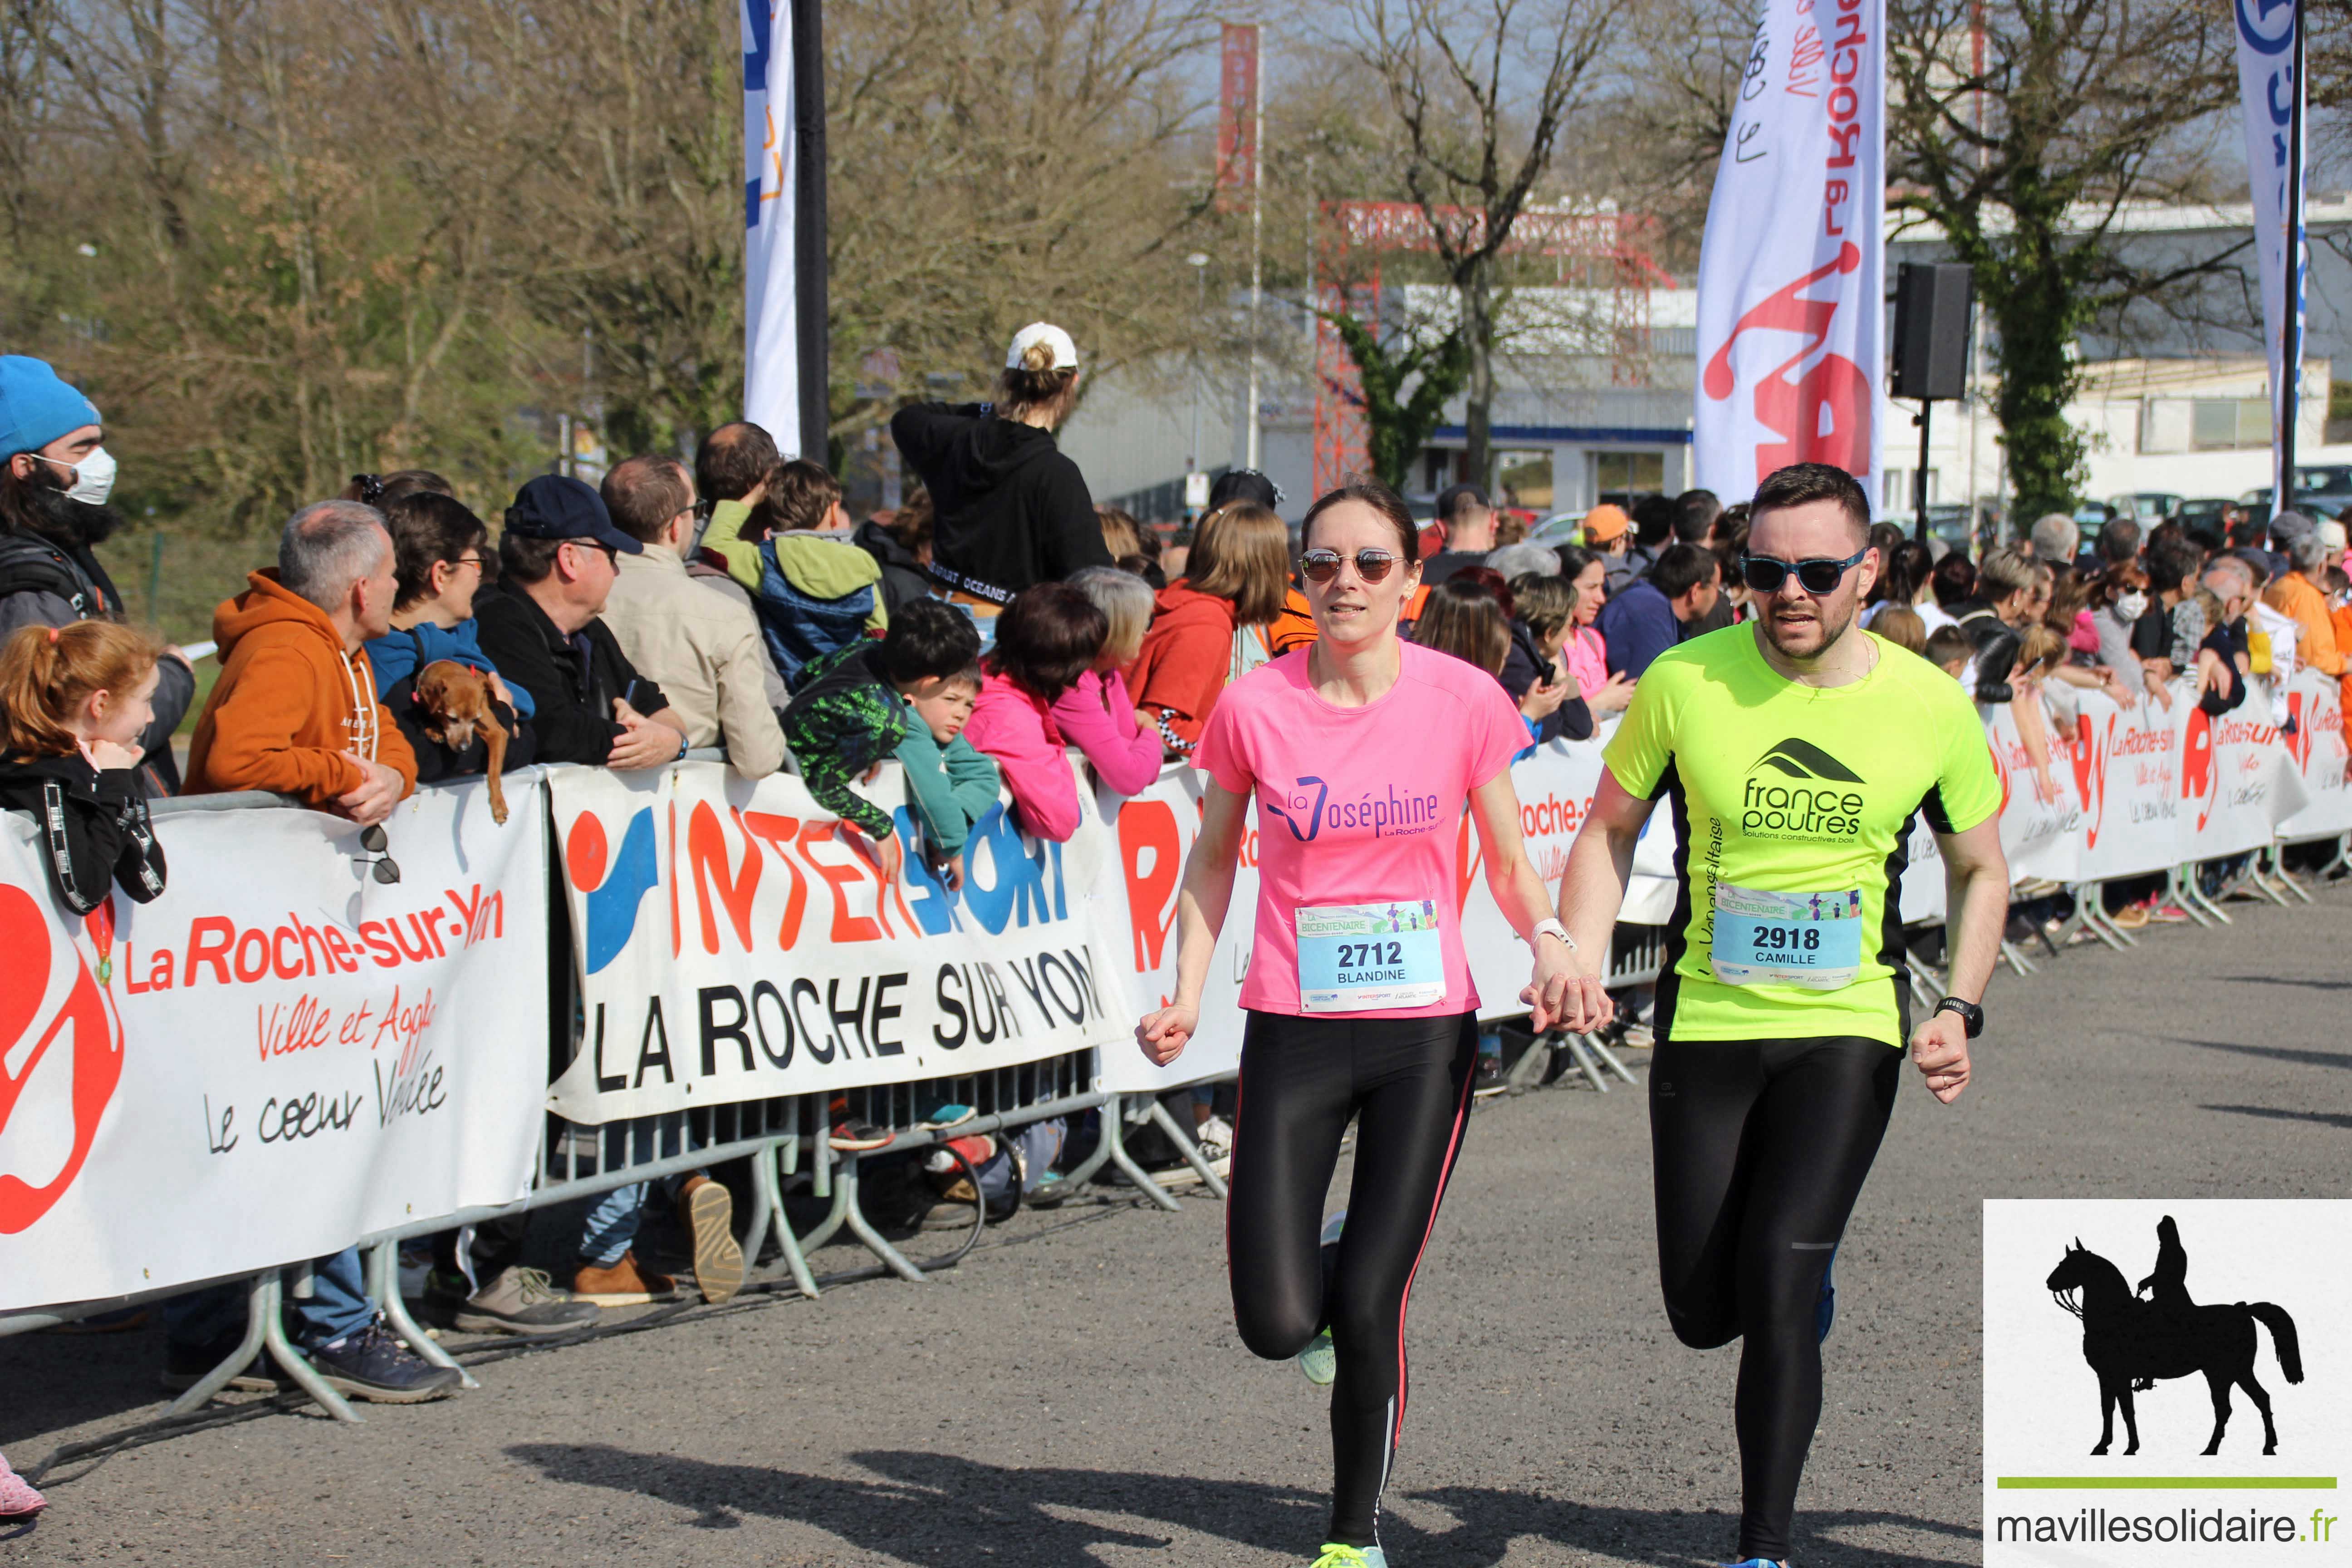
54,488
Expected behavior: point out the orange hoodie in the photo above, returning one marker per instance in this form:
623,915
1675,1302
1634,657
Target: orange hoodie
288,703
1186,657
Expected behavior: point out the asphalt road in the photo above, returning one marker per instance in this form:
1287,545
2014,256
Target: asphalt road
1078,1396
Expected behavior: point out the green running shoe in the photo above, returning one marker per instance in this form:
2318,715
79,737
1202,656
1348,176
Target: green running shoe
1319,1362
1338,1556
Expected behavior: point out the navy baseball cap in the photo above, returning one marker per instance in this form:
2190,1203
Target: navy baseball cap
1246,485
1453,496
555,506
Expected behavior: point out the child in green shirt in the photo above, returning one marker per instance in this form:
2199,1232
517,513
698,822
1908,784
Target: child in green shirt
858,705
952,785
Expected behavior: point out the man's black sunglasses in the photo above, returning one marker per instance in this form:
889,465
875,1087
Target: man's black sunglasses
1816,574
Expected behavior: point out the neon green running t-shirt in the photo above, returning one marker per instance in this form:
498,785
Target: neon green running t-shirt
1793,804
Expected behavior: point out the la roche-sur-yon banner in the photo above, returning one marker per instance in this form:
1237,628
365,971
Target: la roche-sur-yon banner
278,1056
733,945
1791,322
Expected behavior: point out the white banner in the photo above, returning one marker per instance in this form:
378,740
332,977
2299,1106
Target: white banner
2126,769
2271,86
771,355
732,945
1156,830
2238,782
2041,814
2316,703
277,1056
1791,322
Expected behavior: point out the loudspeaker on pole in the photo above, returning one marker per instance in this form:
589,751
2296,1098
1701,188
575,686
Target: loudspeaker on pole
1932,302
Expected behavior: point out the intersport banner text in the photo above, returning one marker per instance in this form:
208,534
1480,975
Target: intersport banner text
278,1056
733,945
1790,328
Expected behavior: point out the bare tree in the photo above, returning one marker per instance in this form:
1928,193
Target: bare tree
1481,90
1000,161
2020,130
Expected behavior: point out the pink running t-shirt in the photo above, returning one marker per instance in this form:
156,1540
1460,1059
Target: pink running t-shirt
1359,806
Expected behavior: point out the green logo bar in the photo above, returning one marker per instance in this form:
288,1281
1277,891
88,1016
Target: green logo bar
2165,1483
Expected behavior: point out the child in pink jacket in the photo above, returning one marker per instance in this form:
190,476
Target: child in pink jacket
1042,675
1098,715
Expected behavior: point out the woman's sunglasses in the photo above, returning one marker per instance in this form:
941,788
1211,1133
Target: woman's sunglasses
1322,566
1816,574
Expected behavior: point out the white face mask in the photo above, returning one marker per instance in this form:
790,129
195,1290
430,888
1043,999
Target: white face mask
93,476
2132,605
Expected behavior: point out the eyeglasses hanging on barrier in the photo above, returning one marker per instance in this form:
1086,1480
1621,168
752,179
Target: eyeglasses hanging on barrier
382,867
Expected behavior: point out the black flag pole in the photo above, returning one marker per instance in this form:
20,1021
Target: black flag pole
812,329
2290,388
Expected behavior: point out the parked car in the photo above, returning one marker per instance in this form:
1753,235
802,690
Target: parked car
2145,507
2324,488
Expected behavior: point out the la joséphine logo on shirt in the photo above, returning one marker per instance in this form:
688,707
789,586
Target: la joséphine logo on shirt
1796,790
1306,808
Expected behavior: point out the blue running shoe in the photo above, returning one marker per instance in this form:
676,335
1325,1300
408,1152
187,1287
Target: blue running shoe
1319,1362
1758,1563
1335,1555
1825,1308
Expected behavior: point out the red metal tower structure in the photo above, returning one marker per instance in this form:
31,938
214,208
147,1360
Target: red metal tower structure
1608,249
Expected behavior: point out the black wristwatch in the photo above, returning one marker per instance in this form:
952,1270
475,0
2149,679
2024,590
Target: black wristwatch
1970,1014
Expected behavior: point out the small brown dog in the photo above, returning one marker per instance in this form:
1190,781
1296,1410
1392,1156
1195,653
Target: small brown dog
456,699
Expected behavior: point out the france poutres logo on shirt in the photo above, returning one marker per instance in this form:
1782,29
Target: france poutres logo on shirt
1307,810
1796,789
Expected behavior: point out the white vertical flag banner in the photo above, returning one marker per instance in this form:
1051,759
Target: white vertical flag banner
2269,80
771,374
1790,315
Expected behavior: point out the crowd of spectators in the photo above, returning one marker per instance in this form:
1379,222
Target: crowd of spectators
997,634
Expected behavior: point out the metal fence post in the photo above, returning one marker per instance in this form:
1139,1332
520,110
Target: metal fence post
1188,1148
863,1228
767,1177
2195,898
257,1305
384,1283
1115,1135
268,1299
1599,1047
1585,1062
1080,1175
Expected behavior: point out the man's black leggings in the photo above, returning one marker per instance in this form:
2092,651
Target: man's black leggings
1408,1081
1759,1149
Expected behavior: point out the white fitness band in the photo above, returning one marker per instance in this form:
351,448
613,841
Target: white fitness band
1550,928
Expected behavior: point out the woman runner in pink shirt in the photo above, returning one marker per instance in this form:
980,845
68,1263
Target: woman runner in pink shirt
1359,751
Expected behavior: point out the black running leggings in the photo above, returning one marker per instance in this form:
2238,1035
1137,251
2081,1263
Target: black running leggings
1759,1149
1408,1081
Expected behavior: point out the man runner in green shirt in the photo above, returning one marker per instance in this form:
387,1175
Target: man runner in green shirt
1793,751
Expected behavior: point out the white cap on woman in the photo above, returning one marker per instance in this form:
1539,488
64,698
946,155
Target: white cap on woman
1036,333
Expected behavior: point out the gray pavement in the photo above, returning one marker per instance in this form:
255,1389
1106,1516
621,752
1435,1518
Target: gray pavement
1078,1396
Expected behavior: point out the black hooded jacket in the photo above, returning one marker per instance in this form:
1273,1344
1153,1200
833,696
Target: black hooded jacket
54,578
94,827
1525,665
1011,510
902,579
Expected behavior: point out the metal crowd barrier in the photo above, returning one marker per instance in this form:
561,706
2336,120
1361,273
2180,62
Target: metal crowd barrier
787,1137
